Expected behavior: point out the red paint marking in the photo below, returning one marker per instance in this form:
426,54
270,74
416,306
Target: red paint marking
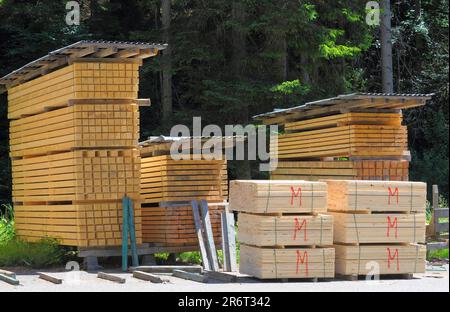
302,260
390,258
295,194
394,193
298,227
392,225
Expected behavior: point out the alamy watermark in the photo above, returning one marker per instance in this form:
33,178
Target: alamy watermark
73,14
213,148
373,13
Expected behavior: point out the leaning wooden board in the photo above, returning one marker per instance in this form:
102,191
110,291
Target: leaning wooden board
381,259
292,230
376,196
267,263
379,228
265,196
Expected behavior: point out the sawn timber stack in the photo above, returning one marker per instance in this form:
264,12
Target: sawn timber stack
74,142
282,229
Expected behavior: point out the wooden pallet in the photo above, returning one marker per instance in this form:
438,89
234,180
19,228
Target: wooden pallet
77,175
78,126
269,263
288,230
82,225
379,228
167,180
380,259
391,170
339,120
174,225
345,141
376,196
268,197
87,80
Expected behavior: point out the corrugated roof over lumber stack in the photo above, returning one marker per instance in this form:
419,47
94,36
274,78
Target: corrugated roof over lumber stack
355,102
85,49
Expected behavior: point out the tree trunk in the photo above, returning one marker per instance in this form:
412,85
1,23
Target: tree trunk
167,107
238,38
386,47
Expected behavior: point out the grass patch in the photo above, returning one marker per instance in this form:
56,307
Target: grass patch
16,252
438,254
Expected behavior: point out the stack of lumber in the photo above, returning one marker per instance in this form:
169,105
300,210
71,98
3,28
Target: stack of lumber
282,230
378,221
167,188
343,146
74,139
173,225
167,180
391,170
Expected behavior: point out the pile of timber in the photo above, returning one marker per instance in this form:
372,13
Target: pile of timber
74,147
282,229
167,188
384,170
344,135
378,223
349,137
173,225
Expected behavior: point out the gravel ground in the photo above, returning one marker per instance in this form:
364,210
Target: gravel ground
432,281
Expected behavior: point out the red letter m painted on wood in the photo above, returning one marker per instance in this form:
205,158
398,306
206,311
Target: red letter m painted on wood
392,225
295,194
299,227
302,260
391,258
393,193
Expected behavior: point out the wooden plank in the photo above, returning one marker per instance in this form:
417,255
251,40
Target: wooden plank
164,269
149,277
231,232
190,276
198,228
8,273
221,276
210,245
9,280
50,278
110,277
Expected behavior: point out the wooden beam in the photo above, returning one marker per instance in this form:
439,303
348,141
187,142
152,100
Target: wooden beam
106,52
210,246
221,276
84,52
149,277
8,273
49,278
168,269
190,276
146,53
198,230
111,278
126,53
9,280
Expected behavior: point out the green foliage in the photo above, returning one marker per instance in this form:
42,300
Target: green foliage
16,252
330,49
293,87
441,254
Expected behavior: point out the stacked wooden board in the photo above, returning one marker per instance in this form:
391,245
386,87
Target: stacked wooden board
167,188
74,138
378,225
173,225
167,180
351,137
282,229
357,136
390,170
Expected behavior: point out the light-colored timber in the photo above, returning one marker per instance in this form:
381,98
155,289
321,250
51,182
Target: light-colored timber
380,259
376,196
268,263
379,228
292,230
264,196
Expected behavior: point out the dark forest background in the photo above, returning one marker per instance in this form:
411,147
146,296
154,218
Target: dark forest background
232,59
